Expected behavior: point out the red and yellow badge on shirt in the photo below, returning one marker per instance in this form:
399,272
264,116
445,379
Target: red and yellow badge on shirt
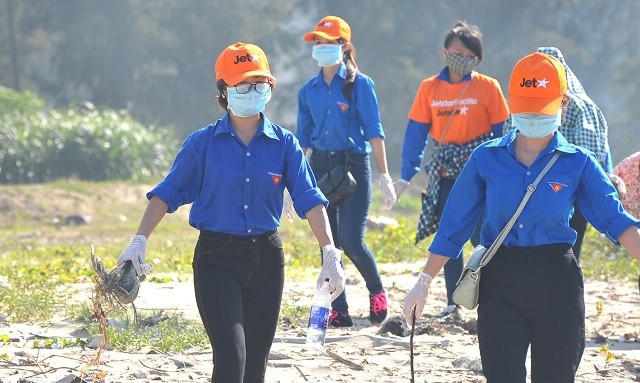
343,107
276,178
556,186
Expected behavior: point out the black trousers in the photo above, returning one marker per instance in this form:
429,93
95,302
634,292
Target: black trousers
238,287
531,296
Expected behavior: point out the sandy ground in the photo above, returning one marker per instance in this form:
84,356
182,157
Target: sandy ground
447,352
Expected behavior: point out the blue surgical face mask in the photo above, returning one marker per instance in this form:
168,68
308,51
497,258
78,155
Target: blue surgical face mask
247,104
327,54
534,125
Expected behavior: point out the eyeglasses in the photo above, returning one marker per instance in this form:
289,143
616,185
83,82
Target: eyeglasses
245,87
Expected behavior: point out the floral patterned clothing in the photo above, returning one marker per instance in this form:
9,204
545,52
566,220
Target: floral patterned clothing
629,170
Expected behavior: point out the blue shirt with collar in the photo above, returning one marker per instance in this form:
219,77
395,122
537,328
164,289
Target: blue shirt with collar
494,182
325,115
416,137
238,189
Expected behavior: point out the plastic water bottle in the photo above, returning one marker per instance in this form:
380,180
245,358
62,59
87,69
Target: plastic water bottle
319,316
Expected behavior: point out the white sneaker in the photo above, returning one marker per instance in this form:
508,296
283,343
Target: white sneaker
454,311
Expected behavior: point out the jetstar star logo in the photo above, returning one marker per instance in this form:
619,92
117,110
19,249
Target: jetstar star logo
534,83
276,178
556,186
245,58
326,24
343,107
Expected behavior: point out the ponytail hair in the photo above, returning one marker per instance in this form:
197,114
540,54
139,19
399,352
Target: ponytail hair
222,100
349,59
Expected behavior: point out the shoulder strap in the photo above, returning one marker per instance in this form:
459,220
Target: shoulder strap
455,108
530,189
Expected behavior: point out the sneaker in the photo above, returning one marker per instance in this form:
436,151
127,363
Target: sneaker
378,308
452,311
338,319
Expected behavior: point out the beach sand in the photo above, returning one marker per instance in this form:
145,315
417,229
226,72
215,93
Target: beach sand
444,351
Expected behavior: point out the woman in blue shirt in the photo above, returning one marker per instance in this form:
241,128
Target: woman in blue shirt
531,293
583,124
234,172
338,118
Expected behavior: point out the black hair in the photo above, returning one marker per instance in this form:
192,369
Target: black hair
349,59
470,36
222,100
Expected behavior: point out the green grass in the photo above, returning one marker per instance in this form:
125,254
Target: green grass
172,333
38,259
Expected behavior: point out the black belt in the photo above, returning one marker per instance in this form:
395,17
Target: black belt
330,152
229,238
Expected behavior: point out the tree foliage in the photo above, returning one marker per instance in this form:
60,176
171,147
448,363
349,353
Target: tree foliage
39,145
156,58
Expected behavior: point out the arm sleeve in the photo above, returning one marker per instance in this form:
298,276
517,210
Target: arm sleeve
184,181
499,110
305,121
608,164
598,201
415,141
367,106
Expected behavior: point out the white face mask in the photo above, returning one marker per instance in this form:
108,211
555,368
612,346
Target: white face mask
327,54
534,125
247,104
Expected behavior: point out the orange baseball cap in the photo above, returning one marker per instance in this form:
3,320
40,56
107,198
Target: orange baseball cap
241,60
331,28
538,83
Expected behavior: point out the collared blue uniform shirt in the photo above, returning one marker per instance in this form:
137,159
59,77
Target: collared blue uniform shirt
494,182
238,189
327,121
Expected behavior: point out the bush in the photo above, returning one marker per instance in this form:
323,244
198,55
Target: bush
18,102
38,145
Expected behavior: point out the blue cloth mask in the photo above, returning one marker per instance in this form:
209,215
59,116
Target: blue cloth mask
534,125
247,104
327,54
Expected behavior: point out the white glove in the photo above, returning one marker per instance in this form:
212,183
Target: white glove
619,184
135,253
400,186
332,269
417,297
388,191
288,206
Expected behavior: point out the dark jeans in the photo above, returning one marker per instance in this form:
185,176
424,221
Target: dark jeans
453,267
531,296
349,217
578,223
238,287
